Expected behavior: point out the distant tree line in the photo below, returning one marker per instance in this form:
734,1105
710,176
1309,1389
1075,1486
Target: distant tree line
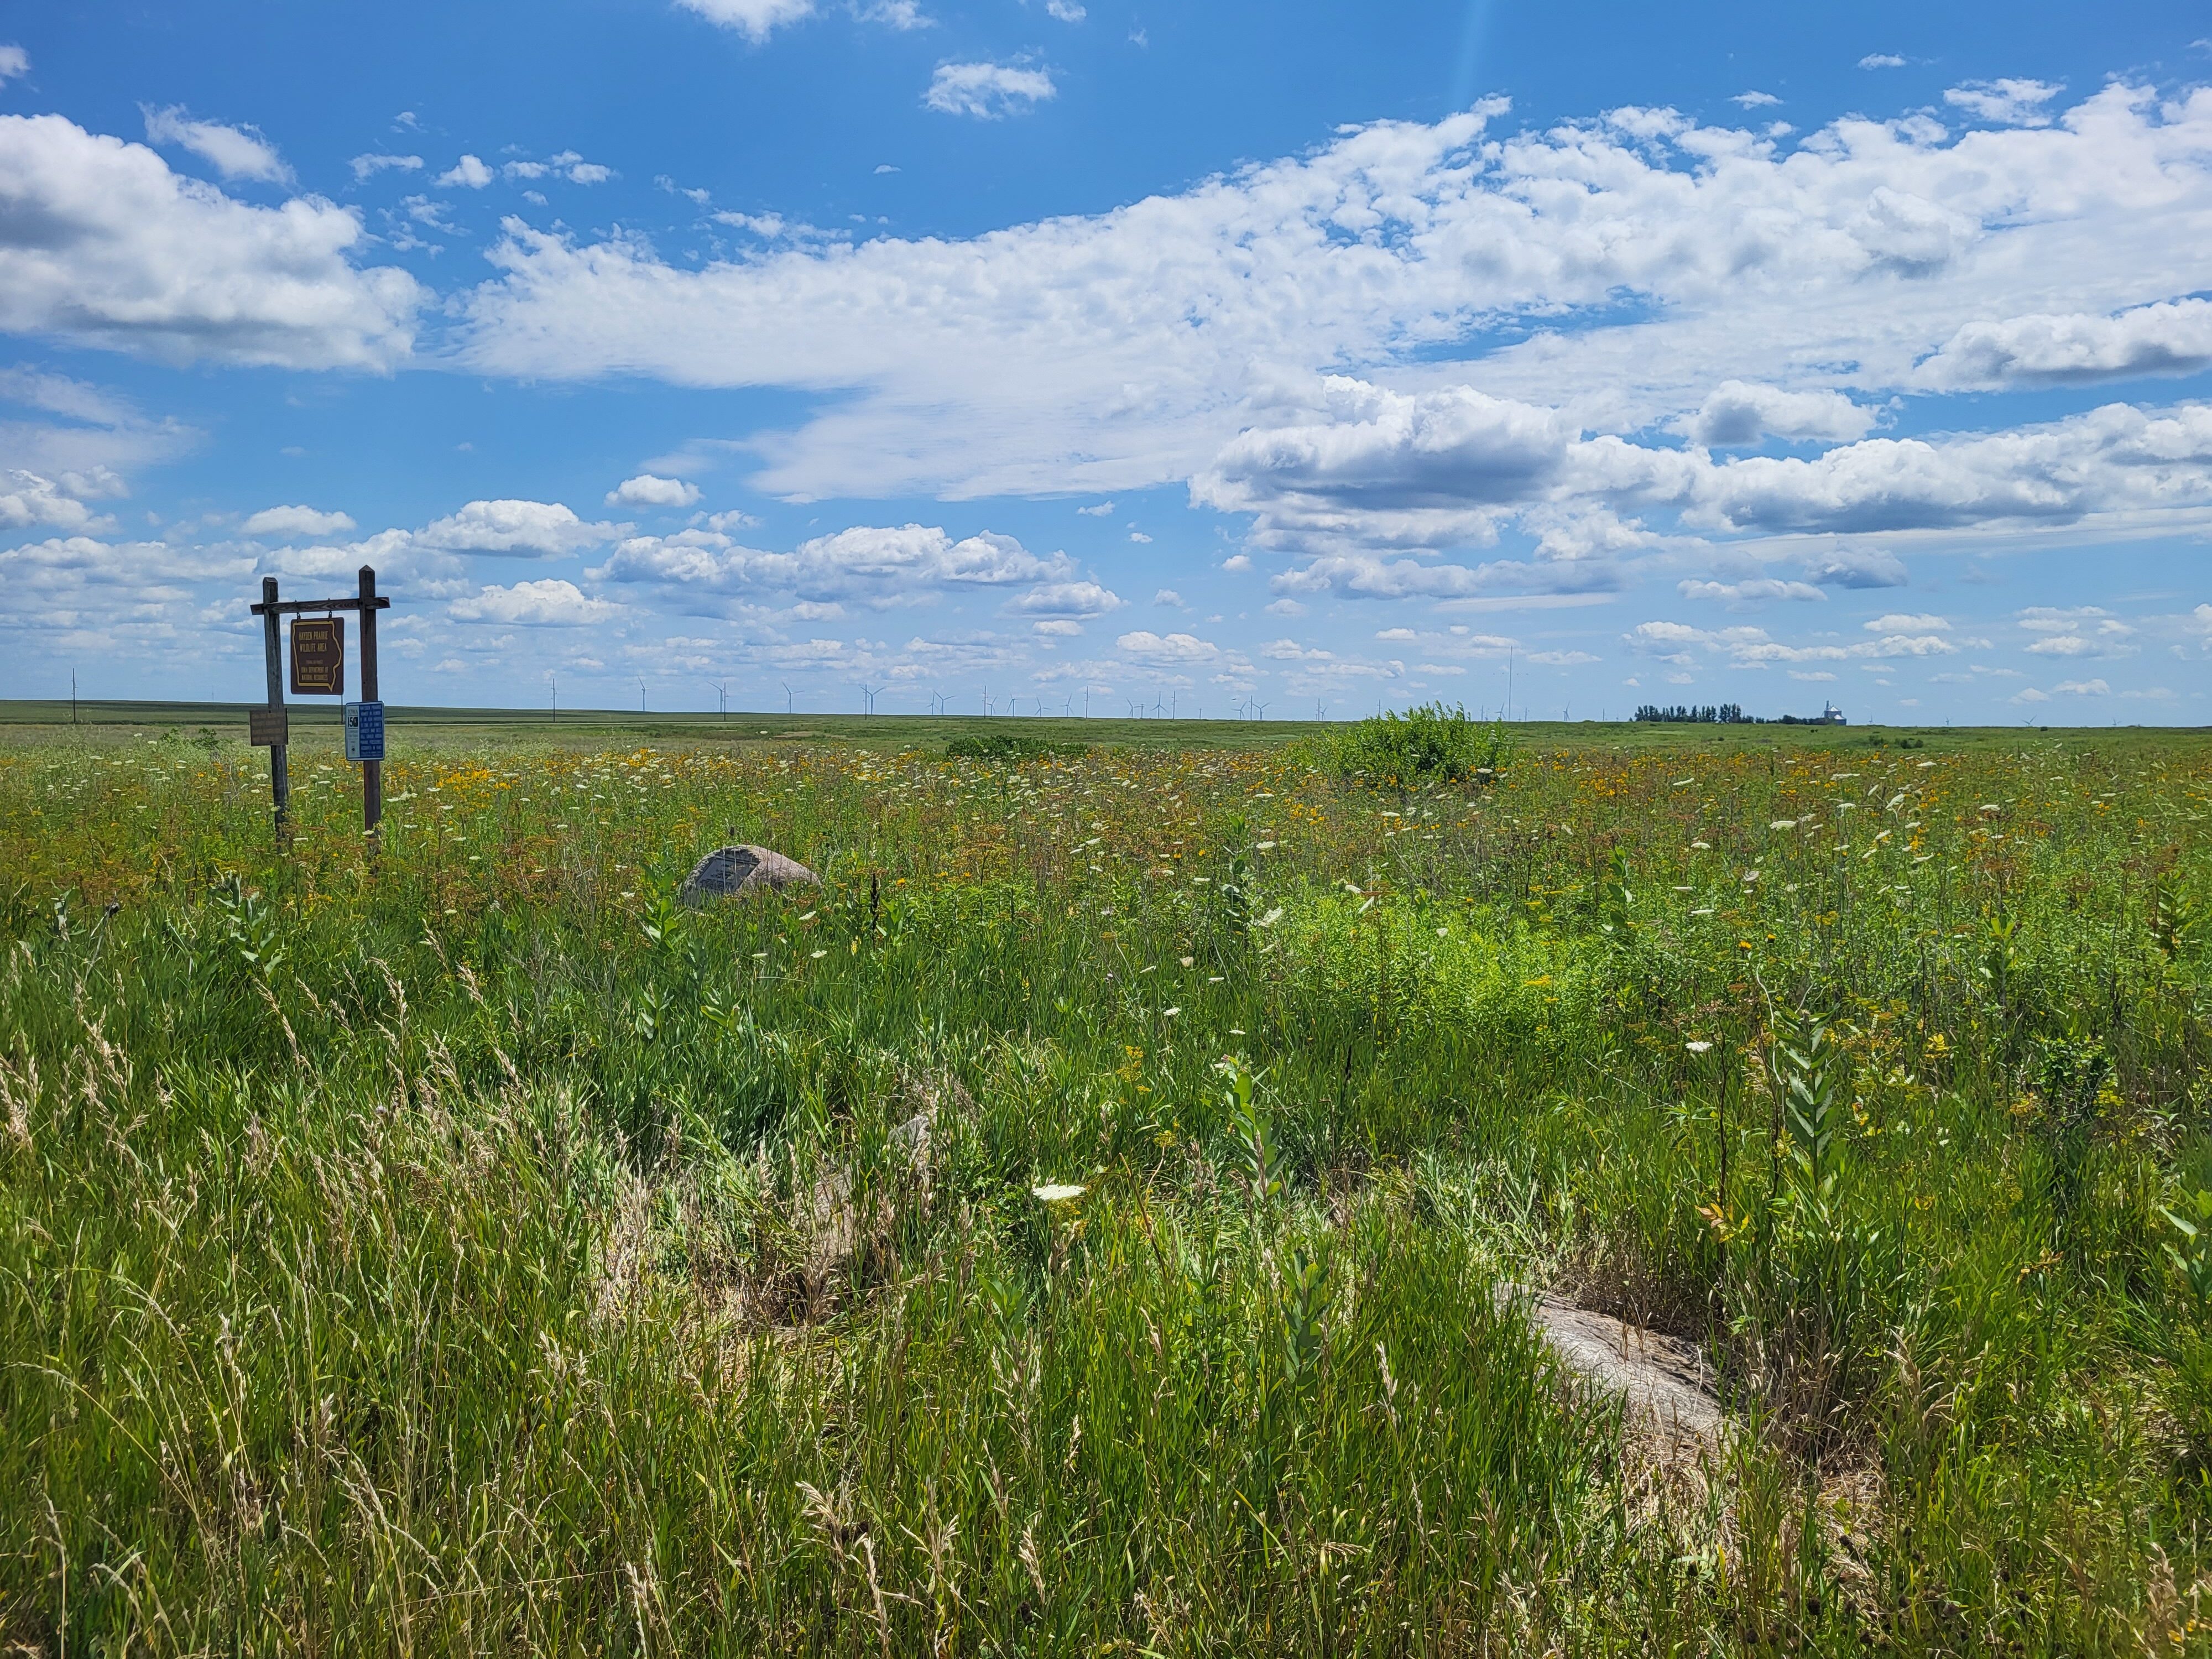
1726,714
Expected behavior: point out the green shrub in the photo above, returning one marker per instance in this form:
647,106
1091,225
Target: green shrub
1432,743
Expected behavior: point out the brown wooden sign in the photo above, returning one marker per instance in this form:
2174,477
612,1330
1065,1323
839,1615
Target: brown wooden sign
267,728
319,668
319,656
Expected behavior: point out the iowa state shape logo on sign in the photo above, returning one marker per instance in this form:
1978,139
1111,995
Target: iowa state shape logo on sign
319,656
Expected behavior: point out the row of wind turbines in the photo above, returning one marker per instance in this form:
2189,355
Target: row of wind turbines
1165,705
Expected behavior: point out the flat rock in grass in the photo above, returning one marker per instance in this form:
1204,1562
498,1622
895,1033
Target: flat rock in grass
733,870
1665,1381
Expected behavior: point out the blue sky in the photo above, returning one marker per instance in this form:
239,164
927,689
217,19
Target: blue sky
1043,353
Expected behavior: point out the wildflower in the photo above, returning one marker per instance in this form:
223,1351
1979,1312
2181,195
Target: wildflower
1059,1192
1698,1048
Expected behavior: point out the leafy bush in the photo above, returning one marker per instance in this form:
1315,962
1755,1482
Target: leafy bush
1432,743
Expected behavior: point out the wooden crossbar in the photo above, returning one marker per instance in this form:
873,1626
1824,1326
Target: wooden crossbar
300,607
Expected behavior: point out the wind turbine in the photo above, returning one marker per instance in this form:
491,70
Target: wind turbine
787,699
722,695
1263,710
640,694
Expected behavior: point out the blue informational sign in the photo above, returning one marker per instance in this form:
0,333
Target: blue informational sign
364,730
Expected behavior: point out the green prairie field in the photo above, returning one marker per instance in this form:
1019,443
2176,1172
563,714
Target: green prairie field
1104,1216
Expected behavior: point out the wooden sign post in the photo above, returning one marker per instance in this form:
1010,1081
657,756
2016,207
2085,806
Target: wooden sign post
319,670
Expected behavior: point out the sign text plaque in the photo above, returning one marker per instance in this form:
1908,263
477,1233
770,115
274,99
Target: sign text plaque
319,656
266,728
364,731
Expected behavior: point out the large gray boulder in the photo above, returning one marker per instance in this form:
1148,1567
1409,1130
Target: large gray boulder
728,870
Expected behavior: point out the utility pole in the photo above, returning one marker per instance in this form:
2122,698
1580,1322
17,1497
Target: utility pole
556,679
72,696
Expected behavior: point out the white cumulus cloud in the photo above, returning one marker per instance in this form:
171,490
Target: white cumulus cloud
2008,103
1739,414
569,165
365,166
865,564
234,152
1747,647
297,521
530,530
647,491
549,604
28,499
1079,598
102,243
1750,590
469,172
1169,650
754,19
2172,337
1111,351
1437,469
988,92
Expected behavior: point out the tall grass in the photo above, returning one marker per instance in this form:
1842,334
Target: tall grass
465,1247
